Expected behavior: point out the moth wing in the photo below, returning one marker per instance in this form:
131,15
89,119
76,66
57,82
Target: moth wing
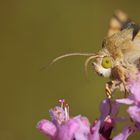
123,38
136,40
117,22
133,55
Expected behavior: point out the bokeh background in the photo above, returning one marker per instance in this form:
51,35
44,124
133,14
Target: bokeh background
34,32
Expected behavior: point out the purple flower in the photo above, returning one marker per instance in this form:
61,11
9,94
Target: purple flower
133,87
133,99
47,127
102,128
95,135
62,127
108,107
74,129
134,112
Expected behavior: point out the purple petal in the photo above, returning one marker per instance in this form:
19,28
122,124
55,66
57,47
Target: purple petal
127,131
47,127
58,115
114,109
67,130
134,87
84,130
106,127
95,131
134,112
95,135
105,108
125,101
75,128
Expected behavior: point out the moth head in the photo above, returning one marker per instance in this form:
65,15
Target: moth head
102,64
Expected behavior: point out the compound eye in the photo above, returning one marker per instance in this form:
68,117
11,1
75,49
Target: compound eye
106,62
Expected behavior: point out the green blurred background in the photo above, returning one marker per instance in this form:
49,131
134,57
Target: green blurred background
32,33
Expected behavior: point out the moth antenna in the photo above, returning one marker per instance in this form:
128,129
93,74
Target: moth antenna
66,55
87,62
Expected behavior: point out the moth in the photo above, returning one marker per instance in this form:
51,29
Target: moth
120,53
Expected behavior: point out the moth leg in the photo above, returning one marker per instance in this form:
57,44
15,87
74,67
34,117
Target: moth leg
108,91
123,88
110,87
125,93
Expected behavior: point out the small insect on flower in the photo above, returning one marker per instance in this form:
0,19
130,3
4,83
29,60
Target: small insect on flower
120,54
